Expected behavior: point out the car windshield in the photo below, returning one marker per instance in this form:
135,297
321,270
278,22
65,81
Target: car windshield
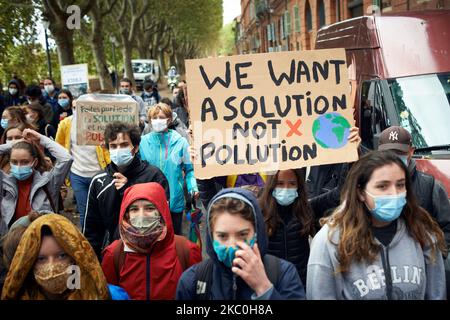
140,67
423,106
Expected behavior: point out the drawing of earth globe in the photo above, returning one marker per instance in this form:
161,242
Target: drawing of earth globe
331,130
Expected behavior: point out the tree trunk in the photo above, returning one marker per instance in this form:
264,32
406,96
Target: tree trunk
142,51
96,43
127,51
162,63
64,42
101,65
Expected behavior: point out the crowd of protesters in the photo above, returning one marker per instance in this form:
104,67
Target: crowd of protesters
381,231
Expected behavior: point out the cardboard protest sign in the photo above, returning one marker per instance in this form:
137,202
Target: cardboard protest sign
95,111
270,111
74,77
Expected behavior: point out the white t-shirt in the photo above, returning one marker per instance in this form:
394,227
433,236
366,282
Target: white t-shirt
85,160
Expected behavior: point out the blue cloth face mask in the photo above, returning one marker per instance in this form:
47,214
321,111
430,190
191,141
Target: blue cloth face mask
226,254
64,103
121,157
4,123
285,196
21,173
388,208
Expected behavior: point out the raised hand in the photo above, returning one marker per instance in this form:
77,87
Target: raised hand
249,266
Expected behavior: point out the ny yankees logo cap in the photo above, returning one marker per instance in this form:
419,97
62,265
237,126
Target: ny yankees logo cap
395,138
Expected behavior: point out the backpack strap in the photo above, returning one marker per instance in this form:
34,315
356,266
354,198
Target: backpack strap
272,267
52,204
46,130
203,274
118,258
183,251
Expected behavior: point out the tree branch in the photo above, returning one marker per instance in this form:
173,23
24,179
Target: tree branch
109,9
122,12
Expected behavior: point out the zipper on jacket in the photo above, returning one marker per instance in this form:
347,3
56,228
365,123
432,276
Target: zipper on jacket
160,156
387,272
166,145
147,282
285,242
234,287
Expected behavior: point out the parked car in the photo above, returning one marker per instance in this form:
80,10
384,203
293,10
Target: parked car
145,69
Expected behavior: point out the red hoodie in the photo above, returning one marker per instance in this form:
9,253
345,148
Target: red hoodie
147,277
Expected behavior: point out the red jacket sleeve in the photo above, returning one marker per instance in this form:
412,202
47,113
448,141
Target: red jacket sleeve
108,264
195,254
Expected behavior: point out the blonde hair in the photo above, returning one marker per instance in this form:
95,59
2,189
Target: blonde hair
153,112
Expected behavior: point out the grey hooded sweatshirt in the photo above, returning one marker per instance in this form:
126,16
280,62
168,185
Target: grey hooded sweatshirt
402,271
52,180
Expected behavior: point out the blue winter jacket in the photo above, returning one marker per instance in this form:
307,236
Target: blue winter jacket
288,287
169,152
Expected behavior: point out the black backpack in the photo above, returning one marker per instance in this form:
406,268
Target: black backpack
204,271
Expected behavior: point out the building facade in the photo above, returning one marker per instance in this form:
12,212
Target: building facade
283,25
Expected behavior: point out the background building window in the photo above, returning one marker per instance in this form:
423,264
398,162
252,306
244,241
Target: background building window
296,19
338,10
321,12
355,8
281,27
386,5
251,6
287,23
308,16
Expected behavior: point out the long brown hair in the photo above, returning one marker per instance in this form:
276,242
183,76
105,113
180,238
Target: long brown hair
301,208
4,158
35,152
17,114
352,218
35,107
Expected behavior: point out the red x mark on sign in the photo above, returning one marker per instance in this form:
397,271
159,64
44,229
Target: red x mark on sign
294,127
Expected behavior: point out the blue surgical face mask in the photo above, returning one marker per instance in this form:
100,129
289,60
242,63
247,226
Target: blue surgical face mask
4,123
121,157
21,172
388,208
285,196
64,103
226,254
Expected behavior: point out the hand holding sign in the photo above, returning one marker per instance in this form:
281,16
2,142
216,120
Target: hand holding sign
354,136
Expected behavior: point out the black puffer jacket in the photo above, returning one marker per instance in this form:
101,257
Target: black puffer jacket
287,244
104,200
431,196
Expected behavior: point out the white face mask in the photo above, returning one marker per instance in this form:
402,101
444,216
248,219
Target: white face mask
159,125
29,118
12,91
49,88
